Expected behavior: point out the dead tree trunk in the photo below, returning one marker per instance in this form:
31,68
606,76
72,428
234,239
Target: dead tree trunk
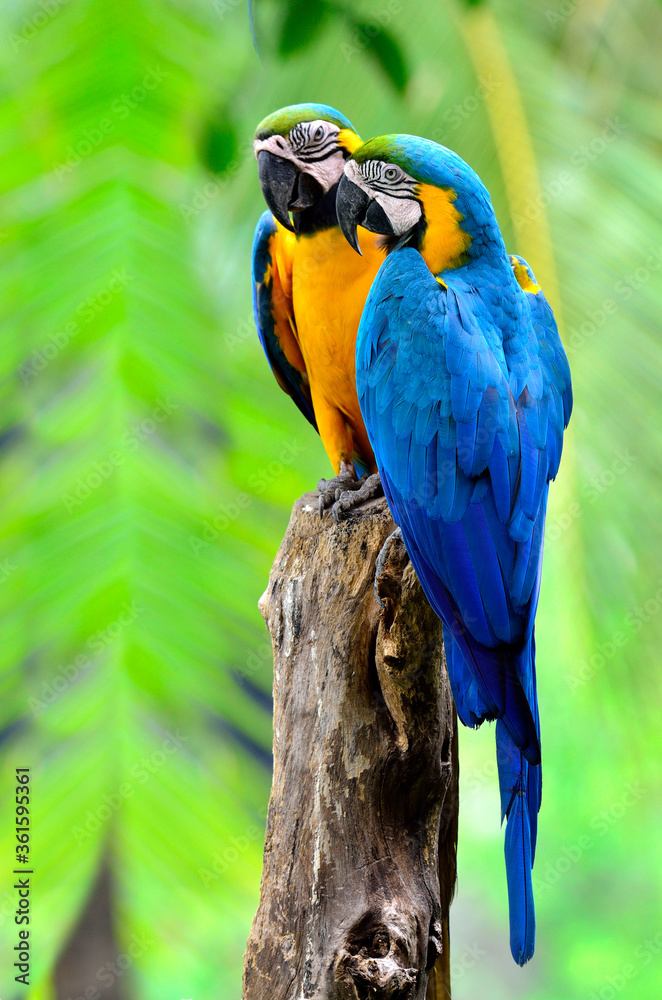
359,859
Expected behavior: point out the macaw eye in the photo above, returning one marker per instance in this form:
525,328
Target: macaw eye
319,133
390,173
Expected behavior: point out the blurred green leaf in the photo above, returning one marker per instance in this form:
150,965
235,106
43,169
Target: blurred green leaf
302,23
378,43
219,143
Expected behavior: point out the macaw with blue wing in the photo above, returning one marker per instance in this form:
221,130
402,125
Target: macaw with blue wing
309,286
465,391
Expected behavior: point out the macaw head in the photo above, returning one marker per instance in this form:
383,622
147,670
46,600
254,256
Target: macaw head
301,152
416,193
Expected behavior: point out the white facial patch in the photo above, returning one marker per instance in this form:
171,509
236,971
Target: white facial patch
391,188
312,147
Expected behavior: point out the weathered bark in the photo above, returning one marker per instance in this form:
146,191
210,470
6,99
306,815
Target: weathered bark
359,860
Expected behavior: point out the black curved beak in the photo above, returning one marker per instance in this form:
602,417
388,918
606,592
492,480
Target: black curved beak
277,179
285,188
354,207
307,192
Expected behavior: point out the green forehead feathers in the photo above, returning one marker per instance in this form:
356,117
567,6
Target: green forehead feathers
283,121
384,147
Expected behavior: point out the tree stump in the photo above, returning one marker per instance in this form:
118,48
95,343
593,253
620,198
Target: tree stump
359,858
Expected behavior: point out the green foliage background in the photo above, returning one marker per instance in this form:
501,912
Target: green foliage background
149,462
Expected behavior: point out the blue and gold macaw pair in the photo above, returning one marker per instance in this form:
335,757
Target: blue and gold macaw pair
435,359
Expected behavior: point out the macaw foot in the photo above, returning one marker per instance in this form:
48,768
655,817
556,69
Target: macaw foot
365,488
386,584
347,491
331,489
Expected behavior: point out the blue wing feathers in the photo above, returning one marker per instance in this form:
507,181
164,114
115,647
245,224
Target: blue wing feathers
494,675
471,706
289,378
465,392
265,229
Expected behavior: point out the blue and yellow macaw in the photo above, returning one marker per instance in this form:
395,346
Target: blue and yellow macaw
465,390
309,285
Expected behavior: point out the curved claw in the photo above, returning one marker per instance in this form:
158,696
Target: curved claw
368,487
332,489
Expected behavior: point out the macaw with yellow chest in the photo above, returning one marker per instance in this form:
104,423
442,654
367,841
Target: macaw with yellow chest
465,391
310,287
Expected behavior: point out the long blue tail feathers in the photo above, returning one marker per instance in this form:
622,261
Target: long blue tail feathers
520,785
